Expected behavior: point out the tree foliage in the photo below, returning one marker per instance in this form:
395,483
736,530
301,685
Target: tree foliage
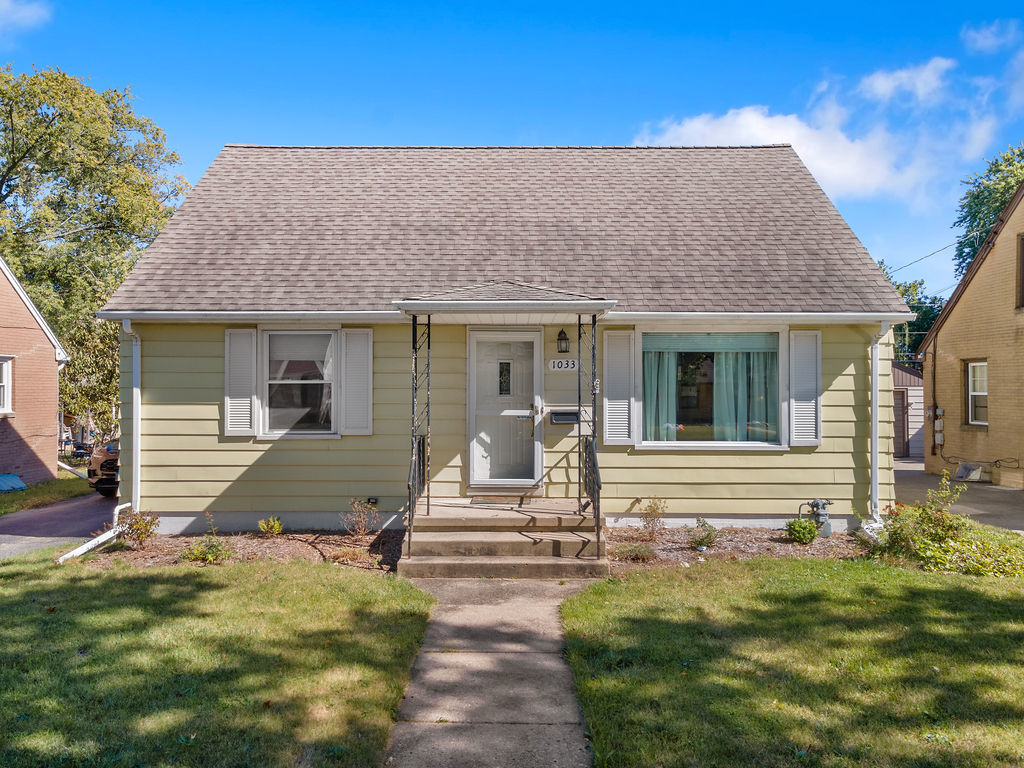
85,186
908,336
987,194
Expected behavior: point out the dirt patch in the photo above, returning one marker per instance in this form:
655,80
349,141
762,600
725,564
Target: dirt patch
376,552
673,546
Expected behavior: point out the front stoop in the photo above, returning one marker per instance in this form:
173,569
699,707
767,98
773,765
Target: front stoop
543,540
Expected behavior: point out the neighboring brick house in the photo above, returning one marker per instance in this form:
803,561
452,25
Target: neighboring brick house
974,361
30,357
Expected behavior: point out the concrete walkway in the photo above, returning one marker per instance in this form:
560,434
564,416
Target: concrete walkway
986,503
66,522
490,686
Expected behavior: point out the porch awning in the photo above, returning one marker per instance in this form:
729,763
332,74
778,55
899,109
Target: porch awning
505,302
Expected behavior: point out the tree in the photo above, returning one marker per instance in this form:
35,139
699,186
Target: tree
987,195
85,186
908,336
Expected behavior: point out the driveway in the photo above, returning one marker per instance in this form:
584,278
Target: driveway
986,503
74,520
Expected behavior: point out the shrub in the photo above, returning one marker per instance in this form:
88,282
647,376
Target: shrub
362,519
353,556
633,552
271,526
941,540
704,534
652,518
138,527
802,530
209,550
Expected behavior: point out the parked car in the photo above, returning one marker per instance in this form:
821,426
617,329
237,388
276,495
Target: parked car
103,469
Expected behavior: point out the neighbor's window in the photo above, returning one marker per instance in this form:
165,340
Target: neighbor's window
300,382
977,393
711,386
6,385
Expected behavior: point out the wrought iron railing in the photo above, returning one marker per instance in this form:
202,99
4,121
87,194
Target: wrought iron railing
417,483
592,483
419,460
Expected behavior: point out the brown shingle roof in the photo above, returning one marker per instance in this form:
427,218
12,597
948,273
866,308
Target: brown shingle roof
701,229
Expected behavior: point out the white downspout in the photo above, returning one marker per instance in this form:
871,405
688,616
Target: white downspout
875,511
136,413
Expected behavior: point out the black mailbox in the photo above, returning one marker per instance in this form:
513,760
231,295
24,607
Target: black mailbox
565,417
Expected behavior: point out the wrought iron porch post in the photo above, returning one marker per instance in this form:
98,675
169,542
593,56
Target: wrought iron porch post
595,386
579,412
426,473
413,457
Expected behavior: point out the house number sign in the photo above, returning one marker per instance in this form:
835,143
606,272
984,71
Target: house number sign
563,364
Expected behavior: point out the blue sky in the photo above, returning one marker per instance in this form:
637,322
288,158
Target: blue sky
890,107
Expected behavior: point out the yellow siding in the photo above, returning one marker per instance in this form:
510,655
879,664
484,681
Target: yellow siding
189,467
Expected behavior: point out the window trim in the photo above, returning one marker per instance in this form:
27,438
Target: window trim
710,445
969,393
263,387
7,396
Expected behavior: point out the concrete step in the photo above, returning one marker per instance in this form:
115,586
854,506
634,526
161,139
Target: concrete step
502,520
503,544
503,567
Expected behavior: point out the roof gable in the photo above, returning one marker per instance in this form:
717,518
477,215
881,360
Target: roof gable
19,290
655,229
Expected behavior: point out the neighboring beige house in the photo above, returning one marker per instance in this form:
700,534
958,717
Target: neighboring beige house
724,307
974,361
30,358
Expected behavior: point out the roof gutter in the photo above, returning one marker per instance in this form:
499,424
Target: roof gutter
788,318
172,316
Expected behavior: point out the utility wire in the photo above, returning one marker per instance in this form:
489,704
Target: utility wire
940,250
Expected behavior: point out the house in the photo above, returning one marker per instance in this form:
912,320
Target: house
908,412
541,327
30,357
974,362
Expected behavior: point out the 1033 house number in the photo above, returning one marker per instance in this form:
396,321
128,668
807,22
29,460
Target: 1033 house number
563,364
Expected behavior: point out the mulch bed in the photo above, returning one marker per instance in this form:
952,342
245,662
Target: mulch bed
673,546
375,552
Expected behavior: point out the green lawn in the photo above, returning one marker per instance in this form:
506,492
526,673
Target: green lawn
800,662
251,664
66,486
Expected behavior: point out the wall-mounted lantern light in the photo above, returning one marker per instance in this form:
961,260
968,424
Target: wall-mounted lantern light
563,342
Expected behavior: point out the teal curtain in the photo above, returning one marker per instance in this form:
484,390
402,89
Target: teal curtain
659,395
746,392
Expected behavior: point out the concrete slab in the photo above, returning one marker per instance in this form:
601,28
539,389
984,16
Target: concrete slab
986,503
490,688
457,745
511,627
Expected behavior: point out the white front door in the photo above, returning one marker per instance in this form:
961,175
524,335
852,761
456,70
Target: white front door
505,418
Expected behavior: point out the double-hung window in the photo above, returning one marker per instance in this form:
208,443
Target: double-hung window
300,382
710,387
6,385
977,393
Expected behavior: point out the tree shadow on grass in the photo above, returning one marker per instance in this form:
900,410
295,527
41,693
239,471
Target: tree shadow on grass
202,666
915,672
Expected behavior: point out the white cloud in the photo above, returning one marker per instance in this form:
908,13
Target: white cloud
18,15
989,38
925,81
844,165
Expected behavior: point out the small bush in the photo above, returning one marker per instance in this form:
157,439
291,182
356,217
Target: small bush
633,552
704,534
802,530
209,550
271,526
652,518
941,540
138,527
362,519
353,556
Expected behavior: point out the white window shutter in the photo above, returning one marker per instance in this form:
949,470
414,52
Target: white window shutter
357,381
805,387
239,382
617,386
